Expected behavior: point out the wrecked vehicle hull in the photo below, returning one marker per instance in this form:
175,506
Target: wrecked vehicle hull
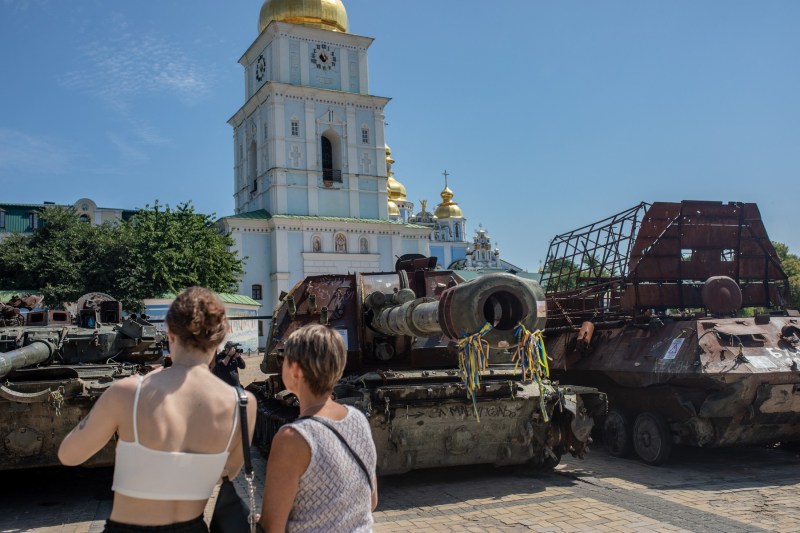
403,369
710,394
53,369
422,422
38,407
653,324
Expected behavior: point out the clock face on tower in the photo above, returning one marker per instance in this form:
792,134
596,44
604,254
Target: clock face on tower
261,67
323,57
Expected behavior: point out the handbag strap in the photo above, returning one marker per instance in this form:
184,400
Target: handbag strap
342,439
248,463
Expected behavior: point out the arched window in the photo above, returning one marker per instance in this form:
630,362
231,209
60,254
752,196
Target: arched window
331,159
295,125
252,165
257,294
457,235
364,135
363,245
341,243
327,160
84,218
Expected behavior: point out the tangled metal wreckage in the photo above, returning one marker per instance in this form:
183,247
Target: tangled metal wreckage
53,366
419,366
646,305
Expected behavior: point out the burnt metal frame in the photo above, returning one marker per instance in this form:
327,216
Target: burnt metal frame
587,269
596,257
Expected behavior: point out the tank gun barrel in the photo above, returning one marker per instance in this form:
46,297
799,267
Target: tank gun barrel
33,354
501,300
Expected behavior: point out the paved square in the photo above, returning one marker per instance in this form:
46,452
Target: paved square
728,490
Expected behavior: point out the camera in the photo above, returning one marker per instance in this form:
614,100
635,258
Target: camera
236,345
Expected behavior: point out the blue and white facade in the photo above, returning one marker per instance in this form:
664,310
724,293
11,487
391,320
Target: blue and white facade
310,174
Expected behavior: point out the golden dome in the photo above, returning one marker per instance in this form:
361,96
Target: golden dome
397,191
324,14
394,211
448,208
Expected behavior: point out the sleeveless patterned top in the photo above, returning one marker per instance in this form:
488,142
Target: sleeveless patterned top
333,493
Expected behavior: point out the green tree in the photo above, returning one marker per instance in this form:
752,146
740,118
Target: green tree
157,251
52,259
171,249
559,275
791,265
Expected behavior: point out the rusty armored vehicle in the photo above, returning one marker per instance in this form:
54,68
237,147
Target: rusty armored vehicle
54,365
679,312
405,332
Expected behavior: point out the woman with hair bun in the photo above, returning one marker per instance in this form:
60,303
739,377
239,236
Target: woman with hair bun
178,427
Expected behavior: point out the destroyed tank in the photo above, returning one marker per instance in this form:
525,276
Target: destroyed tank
402,331
679,312
54,367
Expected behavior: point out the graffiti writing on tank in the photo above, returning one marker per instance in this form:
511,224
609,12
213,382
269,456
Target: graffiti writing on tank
460,411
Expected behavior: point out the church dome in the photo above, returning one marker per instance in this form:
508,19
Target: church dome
394,211
448,208
397,192
324,14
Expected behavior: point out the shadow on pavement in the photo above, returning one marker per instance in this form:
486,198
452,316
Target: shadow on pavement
50,497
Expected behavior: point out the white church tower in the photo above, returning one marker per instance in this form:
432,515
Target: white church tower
310,170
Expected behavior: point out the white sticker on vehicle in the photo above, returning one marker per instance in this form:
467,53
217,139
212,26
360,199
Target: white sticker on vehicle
674,348
762,362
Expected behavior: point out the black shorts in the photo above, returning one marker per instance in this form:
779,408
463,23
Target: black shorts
196,525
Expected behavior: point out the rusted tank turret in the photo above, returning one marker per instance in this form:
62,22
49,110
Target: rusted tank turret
402,331
54,366
678,311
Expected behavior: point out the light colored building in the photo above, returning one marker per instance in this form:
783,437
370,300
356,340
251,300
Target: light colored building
24,218
447,224
310,172
481,259
241,311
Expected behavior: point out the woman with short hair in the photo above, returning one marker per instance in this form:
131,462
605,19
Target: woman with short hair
178,427
321,468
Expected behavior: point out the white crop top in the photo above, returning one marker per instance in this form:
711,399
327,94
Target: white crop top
150,474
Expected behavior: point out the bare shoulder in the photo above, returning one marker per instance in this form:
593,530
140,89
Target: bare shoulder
290,439
124,388
290,450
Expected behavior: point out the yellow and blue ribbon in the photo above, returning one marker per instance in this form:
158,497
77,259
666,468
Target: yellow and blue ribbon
473,358
531,355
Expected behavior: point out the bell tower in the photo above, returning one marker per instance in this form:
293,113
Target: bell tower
310,183
309,139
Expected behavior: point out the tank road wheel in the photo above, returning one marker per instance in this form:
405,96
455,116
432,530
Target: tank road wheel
651,438
617,433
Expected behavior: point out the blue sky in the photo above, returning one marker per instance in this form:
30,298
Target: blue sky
548,115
